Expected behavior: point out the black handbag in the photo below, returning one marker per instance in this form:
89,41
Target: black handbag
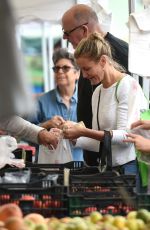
105,152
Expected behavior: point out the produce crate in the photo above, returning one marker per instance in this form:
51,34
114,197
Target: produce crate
38,188
83,205
72,165
104,192
143,201
88,190
41,175
102,182
48,202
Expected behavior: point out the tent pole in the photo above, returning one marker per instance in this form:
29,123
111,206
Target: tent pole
131,4
50,54
45,58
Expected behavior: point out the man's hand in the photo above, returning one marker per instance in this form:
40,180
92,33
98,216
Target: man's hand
48,139
142,144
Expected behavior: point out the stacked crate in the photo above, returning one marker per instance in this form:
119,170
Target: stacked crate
87,190
106,192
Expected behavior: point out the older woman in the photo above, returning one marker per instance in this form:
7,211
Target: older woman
60,104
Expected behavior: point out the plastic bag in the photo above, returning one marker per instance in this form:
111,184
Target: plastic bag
144,159
7,145
60,155
17,177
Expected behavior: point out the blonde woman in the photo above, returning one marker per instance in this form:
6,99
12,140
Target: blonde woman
112,108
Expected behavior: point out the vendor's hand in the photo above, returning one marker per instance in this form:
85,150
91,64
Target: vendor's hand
141,124
48,139
141,143
55,122
57,132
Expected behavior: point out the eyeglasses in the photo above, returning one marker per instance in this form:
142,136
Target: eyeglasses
65,68
67,33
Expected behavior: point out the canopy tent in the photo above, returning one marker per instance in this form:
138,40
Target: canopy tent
45,10
48,14
52,11
36,18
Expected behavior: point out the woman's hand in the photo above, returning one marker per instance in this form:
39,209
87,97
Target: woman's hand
72,132
142,144
67,124
141,124
55,122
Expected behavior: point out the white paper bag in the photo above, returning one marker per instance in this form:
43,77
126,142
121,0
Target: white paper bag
60,155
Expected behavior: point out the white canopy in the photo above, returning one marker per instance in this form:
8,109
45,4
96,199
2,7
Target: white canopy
45,10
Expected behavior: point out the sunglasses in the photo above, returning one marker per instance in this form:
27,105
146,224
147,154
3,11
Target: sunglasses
64,68
67,33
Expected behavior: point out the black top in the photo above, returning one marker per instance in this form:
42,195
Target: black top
119,49
85,89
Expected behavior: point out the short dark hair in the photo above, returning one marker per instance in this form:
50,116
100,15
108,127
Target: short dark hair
63,53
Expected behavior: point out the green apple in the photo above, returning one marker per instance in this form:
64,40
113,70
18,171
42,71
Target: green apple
61,226
79,223
30,224
132,215
95,217
52,223
119,222
141,224
41,227
132,224
108,218
144,215
108,226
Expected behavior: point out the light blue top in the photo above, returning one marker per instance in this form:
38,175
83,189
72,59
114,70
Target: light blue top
51,104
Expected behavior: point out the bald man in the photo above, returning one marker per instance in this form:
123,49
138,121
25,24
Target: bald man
77,23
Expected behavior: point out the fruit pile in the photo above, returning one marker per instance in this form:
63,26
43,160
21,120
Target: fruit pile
11,218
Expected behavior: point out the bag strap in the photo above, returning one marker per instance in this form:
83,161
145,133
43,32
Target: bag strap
118,82
105,146
98,103
106,152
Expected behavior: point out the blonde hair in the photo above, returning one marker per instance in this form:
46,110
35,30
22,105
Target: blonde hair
93,47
